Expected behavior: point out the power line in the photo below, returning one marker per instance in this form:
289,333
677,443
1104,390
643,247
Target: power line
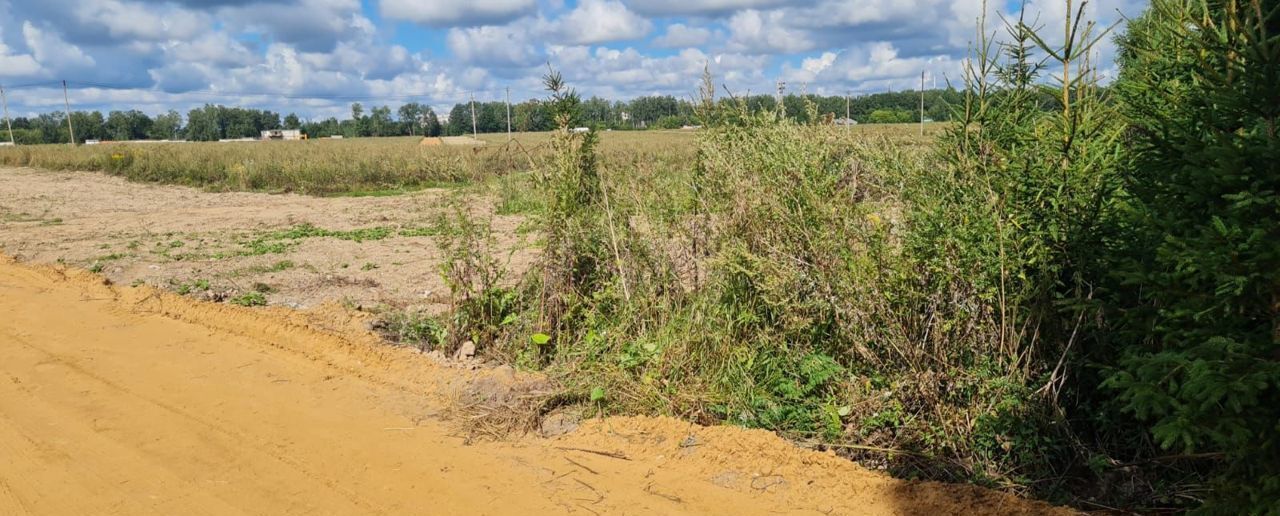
209,93
290,96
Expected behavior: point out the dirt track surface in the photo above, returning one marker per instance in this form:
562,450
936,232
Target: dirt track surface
169,236
122,400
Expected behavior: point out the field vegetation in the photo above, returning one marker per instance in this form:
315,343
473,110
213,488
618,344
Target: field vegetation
1068,290
1071,293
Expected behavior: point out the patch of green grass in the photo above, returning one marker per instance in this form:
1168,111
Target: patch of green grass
392,192
277,242
185,288
518,195
280,266
421,231
249,299
412,329
368,266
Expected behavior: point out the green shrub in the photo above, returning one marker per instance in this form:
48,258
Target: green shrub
1196,299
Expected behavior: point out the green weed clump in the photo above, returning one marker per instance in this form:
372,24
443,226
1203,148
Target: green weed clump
253,298
783,280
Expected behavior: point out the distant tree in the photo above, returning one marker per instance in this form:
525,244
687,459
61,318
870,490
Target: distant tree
531,116
203,124
430,122
356,125
410,117
128,125
166,126
291,121
89,125
380,122
889,116
459,120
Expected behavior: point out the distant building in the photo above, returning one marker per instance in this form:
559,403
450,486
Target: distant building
581,129
845,122
282,134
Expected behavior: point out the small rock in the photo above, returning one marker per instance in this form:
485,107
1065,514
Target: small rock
505,371
558,423
466,351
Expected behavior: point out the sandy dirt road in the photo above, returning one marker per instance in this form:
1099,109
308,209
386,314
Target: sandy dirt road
122,400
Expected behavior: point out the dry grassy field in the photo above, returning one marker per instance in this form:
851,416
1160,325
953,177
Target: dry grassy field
355,166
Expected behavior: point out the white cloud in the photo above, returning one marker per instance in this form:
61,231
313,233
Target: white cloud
869,67
310,25
52,52
16,65
508,45
703,7
466,13
765,33
600,21
216,48
136,21
681,35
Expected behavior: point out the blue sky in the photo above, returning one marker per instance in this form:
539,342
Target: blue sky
315,57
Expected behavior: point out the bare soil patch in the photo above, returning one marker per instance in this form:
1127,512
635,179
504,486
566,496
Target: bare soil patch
223,245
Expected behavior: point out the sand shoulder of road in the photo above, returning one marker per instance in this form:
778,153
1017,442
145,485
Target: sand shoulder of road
133,400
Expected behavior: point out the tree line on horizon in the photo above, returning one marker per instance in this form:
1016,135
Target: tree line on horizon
215,122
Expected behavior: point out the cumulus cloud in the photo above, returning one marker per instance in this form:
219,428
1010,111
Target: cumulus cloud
135,21
704,7
467,13
600,21
869,67
507,46
681,35
16,65
52,52
766,33
310,25
213,48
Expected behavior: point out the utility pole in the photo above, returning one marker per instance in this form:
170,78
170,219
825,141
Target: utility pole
782,108
846,108
921,102
508,114
474,133
5,101
67,102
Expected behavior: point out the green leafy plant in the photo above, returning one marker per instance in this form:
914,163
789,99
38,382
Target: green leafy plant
254,298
